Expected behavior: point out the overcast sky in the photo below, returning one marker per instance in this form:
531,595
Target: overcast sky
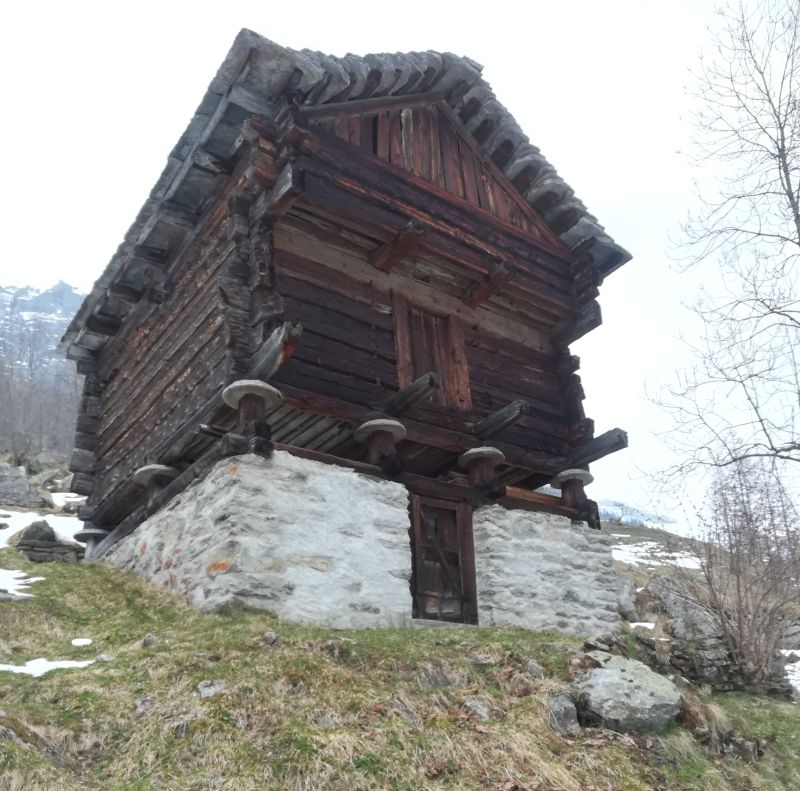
96,94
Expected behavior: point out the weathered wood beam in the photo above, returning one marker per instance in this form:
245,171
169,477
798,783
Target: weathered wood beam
589,318
610,442
177,216
422,433
102,325
284,192
403,244
213,163
478,293
357,106
502,418
276,350
417,391
150,255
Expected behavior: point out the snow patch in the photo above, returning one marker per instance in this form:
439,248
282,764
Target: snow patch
67,498
81,641
38,667
643,624
651,554
16,582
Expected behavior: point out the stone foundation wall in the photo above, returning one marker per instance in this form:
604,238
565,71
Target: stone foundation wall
538,571
320,544
310,542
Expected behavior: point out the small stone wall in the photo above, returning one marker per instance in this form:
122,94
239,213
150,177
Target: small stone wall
50,551
310,542
540,571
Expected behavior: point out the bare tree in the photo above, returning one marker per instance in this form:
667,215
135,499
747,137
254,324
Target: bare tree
749,565
742,398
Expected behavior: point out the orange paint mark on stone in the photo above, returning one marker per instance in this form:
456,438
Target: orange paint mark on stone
232,469
218,566
142,549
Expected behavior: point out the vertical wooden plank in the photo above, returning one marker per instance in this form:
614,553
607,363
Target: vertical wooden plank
490,188
354,130
437,175
402,340
395,138
423,142
469,169
369,134
438,363
407,137
451,162
384,136
342,128
467,558
458,346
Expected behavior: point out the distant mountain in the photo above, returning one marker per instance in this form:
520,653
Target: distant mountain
32,323
616,512
39,389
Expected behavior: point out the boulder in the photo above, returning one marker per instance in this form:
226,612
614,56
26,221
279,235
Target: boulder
16,490
626,696
39,530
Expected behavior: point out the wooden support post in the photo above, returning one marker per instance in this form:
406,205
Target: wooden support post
481,465
380,436
91,536
405,243
418,390
573,496
251,398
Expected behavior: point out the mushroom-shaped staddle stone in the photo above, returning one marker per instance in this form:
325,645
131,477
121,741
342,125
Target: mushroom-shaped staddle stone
485,453
584,476
90,534
393,427
145,474
236,391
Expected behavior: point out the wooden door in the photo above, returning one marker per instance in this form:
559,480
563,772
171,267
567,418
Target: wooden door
443,579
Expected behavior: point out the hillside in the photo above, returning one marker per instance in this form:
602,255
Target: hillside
240,701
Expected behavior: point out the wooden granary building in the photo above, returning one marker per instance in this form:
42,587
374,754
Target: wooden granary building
360,262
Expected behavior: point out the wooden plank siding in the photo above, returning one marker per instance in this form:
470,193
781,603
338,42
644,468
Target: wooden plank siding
426,142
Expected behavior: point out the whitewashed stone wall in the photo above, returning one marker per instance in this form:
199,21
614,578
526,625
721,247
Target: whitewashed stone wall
539,571
310,542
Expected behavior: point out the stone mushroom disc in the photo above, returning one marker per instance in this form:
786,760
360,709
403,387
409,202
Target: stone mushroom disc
234,392
584,476
88,533
475,454
394,427
145,474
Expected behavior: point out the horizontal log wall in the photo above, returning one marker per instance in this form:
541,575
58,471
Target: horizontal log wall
164,365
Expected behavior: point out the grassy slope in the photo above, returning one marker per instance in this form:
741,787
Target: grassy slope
272,730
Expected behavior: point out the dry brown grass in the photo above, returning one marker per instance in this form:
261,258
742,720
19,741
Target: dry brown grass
378,709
